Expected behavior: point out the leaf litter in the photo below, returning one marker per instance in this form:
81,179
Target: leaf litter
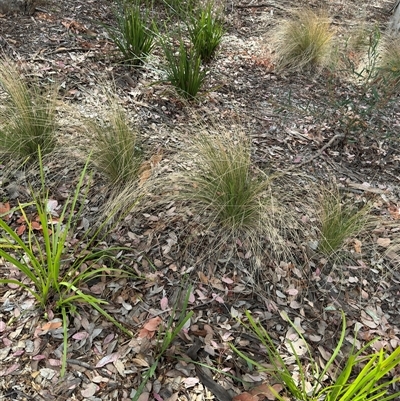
103,364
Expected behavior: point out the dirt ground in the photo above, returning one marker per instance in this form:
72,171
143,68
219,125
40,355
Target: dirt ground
302,122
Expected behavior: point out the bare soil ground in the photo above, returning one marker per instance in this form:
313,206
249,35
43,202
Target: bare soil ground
298,121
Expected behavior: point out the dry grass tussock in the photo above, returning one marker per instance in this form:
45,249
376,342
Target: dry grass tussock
389,63
303,41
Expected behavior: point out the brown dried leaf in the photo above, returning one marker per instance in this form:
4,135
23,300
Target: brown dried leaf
265,390
245,397
107,359
384,242
90,390
4,209
357,245
150,327
51,325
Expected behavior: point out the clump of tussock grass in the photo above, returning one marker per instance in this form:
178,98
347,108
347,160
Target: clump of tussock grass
134,34
389,63
27,117
116,150
339,221
234,200
303,41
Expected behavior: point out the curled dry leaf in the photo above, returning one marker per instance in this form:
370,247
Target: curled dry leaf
357,245
164,303
21,229
4,210
190,381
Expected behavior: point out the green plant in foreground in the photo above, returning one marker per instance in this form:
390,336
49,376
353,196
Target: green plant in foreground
134,35
184,71
205,32
339,221
303,41
116,151
54,271
363,377
28,117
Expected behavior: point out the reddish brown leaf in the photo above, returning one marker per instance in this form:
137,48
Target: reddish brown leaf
51,326
150,328
245,397
4,209
36,225
21,229
264,390
152,324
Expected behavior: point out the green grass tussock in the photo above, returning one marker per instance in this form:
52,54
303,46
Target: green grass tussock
234,200
339,221
116,150
389,63
28,116
223,183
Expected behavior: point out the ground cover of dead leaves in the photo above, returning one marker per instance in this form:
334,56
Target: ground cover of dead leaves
66,43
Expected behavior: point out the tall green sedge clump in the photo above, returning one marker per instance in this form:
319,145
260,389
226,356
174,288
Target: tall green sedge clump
184,70
363,377
205,32
55,269
28,116
339,221
135,33
303,41
116,149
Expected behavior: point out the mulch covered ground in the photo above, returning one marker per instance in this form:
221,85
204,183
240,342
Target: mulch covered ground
300,122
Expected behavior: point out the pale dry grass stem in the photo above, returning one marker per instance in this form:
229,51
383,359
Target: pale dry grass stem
27,116
303,41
